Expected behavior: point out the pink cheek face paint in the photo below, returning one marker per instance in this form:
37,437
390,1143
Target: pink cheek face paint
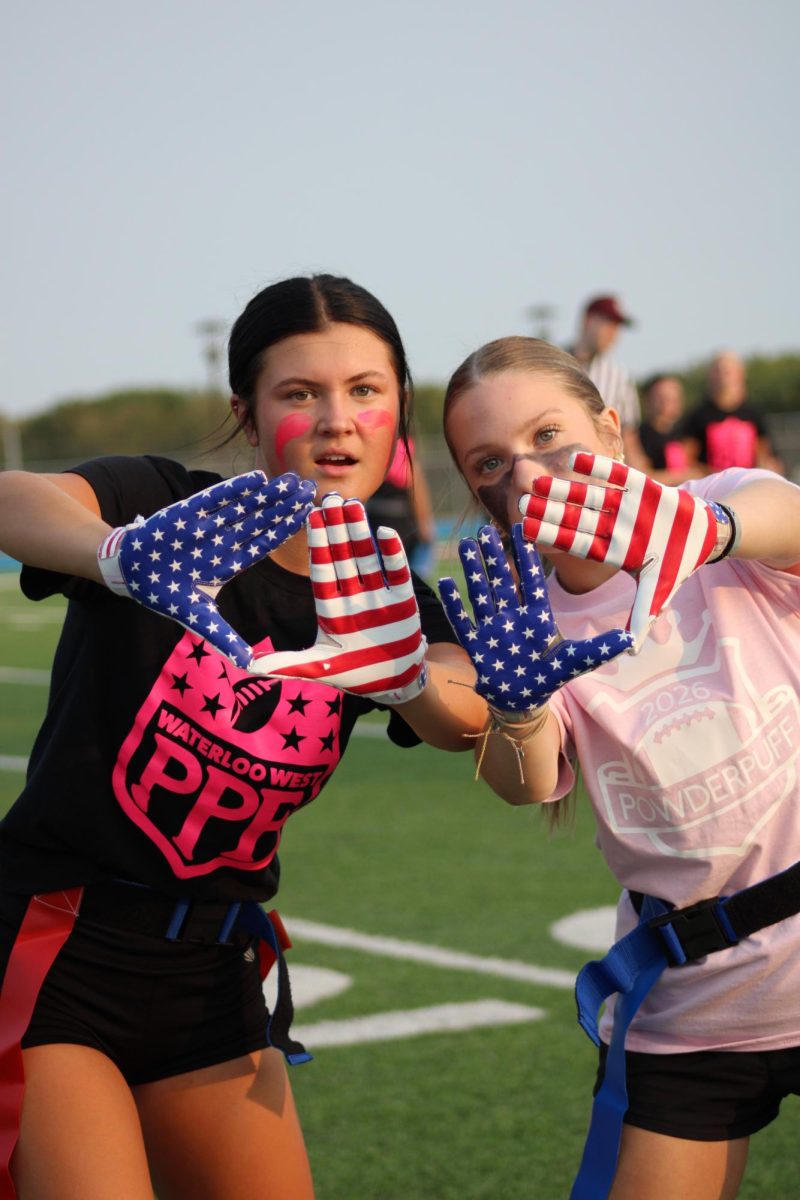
373,423
291,427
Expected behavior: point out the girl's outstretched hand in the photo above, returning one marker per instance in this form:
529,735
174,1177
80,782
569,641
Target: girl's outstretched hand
175,561
370,639
512,636
659,534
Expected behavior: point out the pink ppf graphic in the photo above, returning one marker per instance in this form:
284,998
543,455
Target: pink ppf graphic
369,638
218,760
658,534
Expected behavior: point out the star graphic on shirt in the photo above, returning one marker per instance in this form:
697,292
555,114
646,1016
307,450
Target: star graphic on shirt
298,704
334,706
212,704
180,683
292,739
326,743
198,653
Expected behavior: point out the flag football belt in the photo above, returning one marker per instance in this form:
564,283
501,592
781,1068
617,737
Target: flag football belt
48,921
664,937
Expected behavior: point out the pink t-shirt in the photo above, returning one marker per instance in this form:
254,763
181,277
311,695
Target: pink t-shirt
689,752
399,472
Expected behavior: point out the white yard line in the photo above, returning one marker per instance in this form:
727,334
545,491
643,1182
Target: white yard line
437,956
413,1022
13,762
27,675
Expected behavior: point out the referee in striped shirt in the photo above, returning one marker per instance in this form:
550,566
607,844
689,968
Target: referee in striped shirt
602,321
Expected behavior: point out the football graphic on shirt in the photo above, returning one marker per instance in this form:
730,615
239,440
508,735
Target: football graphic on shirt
254,701
715,731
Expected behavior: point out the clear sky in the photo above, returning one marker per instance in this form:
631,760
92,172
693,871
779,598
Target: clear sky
164,160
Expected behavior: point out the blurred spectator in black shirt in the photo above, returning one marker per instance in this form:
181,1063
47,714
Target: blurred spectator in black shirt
403,503
726,429
663,402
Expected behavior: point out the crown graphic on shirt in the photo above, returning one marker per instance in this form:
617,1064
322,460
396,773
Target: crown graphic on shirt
664,653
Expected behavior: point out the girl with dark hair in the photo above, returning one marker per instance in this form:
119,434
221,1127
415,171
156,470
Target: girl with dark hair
134,862
662,656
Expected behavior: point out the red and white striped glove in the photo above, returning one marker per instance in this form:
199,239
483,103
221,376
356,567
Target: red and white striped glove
658,534
370,639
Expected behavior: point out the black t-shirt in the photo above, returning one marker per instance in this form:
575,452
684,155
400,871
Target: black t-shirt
392,506
654,445
158,760
727,439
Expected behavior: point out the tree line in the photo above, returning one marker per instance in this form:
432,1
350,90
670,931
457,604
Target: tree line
194,425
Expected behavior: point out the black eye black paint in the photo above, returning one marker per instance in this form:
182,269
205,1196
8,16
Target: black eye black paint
494,496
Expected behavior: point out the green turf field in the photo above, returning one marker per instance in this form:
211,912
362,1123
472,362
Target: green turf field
403,845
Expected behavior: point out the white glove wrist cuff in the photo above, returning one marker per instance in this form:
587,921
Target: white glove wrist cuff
108,561
404,694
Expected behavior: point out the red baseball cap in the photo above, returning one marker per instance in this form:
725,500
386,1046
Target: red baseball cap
608,307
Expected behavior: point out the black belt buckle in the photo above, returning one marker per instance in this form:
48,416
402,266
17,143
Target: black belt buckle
693,932
199,922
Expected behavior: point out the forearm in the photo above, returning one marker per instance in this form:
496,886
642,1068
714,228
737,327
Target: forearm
448,710
768,516
526,773
55,525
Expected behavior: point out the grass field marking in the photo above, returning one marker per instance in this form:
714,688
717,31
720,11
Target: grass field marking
437,956
592,929
32,617
13,762
26,675
413,1022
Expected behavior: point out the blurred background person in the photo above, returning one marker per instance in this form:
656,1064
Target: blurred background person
602,322
403,503
726,429
663,402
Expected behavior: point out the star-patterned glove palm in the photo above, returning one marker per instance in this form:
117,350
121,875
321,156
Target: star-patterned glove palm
658,534
513,640
370,639
175,561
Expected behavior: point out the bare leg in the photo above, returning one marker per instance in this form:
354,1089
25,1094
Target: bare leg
80,1137
226,1132
665,1168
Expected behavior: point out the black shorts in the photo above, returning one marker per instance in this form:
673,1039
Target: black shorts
156,1008
708,1095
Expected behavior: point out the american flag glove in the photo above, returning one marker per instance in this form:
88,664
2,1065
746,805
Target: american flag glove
175,561
369,639
658,534
512,638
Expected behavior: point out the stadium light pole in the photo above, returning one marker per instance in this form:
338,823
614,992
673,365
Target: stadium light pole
211,332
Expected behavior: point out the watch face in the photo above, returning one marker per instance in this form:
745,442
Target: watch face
724,531
721,515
